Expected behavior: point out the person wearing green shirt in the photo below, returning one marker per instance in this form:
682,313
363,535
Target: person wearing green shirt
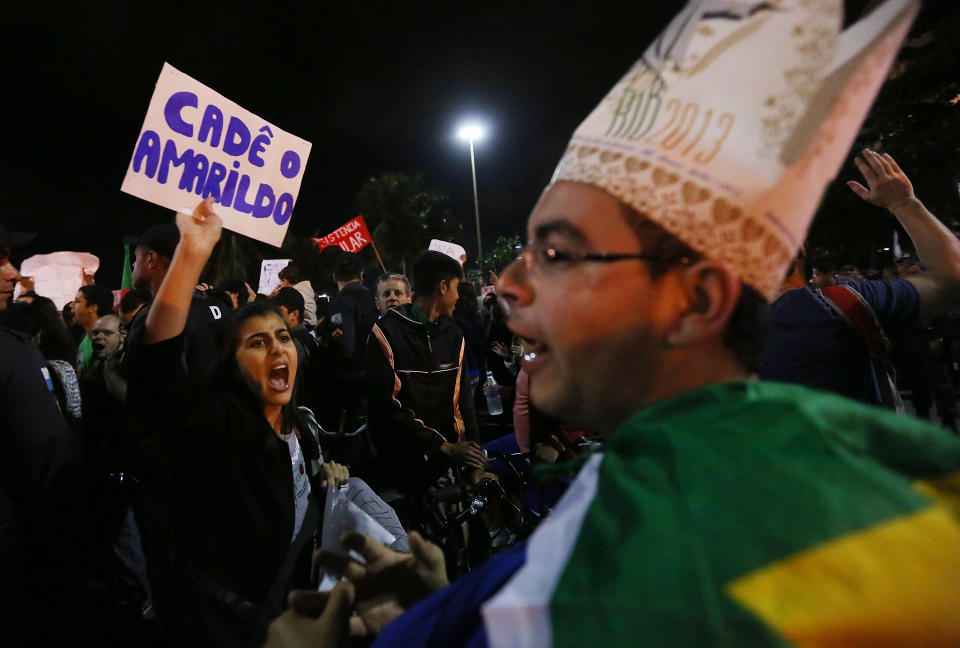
91,303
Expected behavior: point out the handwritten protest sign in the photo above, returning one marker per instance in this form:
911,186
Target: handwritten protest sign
452,250
269,269
352,236
196,143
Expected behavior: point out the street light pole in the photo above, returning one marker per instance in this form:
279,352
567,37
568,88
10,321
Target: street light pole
476,203
470,133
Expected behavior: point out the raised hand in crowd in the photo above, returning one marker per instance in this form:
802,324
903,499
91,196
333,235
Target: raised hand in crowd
500,349
887,185
387,584
199,233
465,453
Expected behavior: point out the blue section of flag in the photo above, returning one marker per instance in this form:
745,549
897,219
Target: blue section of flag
451,617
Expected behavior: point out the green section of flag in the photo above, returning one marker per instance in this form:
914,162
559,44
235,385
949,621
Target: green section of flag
84,352
126,281
698,491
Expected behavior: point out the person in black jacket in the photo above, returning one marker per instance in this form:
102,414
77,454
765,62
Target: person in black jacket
40,473
418,385
229,505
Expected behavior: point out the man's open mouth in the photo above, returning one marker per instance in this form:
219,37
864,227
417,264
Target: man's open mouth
532,349
279,377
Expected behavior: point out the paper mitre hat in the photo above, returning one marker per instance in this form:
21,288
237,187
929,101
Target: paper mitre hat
729,128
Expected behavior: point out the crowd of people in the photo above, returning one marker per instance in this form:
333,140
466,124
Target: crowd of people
178,407
735,462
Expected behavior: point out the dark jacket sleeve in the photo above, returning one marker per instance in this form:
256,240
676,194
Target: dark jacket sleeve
343,327
39,465
160,395
394,426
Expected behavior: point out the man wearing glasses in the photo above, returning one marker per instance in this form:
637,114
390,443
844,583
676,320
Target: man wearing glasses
722,511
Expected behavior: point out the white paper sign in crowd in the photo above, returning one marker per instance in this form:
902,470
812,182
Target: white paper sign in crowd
452,250
269,269
196,143
60,274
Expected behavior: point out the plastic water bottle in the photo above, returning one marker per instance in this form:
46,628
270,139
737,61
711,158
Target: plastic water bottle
492,391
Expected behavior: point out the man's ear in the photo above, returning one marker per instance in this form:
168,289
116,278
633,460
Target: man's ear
712,291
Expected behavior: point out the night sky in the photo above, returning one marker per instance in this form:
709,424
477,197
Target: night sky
374,87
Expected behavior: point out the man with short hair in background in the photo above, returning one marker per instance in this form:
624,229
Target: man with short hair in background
131,303
91,303
392,290
153,251
289,302
290,277
417,383
344,334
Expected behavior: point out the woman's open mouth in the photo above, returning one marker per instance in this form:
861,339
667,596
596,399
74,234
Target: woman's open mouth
279,378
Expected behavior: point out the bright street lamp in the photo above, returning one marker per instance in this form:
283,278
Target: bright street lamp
471,132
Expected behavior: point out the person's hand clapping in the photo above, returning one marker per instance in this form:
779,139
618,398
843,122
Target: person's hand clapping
889,186
201,230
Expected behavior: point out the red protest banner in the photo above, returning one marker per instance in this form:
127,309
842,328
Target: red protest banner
352,236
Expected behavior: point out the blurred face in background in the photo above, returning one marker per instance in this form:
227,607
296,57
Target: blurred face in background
9,276
106,336
391,293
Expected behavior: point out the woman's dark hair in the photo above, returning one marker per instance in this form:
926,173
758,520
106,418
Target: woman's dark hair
749,327
237,287
45,303
228,372
43,324
467,302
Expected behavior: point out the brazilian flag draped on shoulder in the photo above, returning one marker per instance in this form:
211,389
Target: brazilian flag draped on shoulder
748,514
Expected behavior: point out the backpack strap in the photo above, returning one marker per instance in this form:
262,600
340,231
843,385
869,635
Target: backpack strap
850,305
857,313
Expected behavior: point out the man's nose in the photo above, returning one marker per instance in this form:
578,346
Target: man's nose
513,287
9,272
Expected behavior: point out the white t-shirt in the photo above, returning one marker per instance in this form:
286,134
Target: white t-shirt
301,482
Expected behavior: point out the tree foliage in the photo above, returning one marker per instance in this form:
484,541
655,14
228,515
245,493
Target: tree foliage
403,214
502,254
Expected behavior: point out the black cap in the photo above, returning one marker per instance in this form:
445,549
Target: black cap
349,264
11,239
162,239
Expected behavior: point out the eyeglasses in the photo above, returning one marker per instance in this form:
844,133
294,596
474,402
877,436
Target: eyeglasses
538,255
